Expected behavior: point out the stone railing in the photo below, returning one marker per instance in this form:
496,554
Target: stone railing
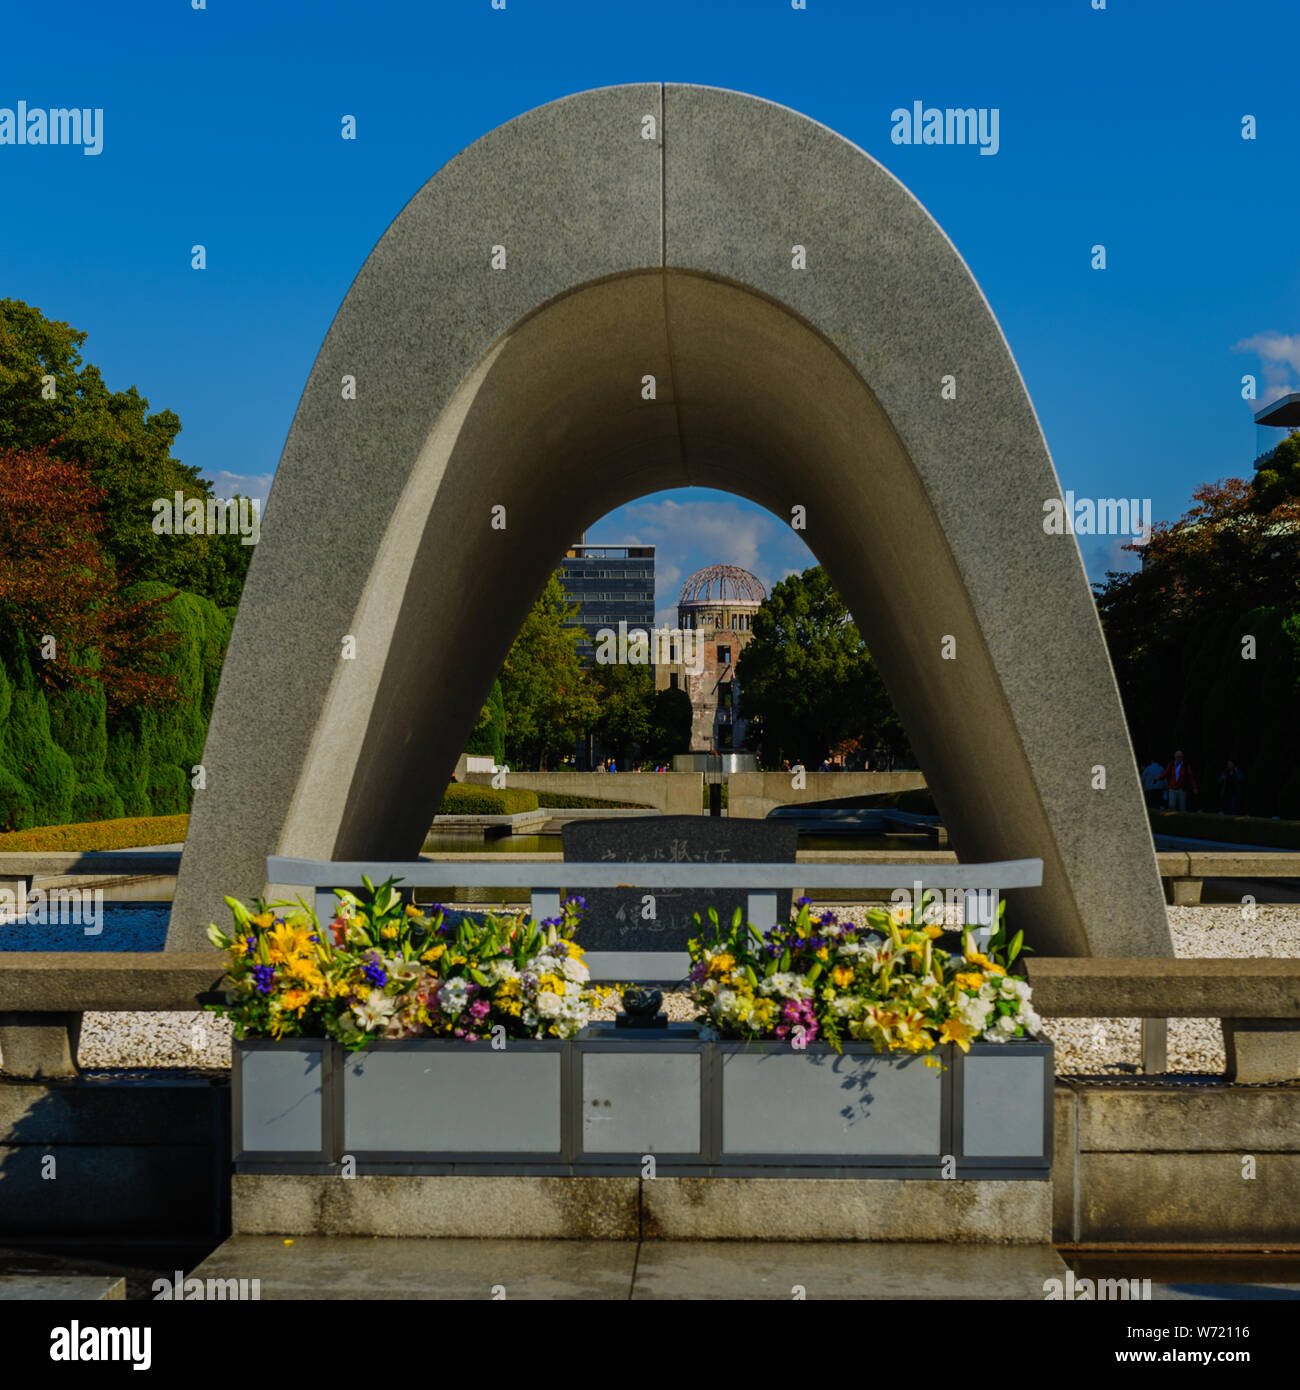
1257,1000
43,995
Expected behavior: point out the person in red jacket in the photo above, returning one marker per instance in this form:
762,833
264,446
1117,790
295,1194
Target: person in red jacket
1179,780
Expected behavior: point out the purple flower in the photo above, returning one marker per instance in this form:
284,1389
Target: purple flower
264,977
374,972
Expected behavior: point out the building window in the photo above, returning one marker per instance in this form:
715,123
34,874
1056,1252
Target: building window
724,655
672,681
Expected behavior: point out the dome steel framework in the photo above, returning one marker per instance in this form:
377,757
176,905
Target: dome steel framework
722,584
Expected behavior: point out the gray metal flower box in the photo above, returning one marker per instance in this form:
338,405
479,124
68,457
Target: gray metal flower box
889,1114
608,1104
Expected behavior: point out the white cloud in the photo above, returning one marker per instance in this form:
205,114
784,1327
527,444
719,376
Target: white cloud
226,484
688,535
1279,354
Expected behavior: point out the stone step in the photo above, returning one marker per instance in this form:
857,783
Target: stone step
341,1267
45,1286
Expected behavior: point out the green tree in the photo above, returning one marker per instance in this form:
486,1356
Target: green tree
625,695
670,725
806,679
488,737
50,399
1203,638
1278,480
547,698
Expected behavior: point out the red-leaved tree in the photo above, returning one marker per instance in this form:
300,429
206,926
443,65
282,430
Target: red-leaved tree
57,582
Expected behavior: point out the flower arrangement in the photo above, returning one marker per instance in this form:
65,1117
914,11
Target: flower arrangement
382,968
889,983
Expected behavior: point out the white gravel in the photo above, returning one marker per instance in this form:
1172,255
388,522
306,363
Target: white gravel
1103,1046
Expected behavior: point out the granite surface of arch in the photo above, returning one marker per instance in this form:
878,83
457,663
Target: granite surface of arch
522,388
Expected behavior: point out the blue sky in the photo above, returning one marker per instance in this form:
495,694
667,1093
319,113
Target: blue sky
1120,126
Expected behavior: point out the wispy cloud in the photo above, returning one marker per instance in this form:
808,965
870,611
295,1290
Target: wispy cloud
1279,355
226,484
690,534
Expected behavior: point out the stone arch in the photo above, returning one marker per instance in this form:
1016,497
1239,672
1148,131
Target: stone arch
521,387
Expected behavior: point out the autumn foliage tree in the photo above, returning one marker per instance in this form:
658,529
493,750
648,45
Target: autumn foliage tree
53,400
60,594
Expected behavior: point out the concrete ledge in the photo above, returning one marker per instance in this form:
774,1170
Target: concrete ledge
39,1044
1166,1164
42,1287
525,1208
656,1209
1180,1119
1189,1198
1160,987
1242,863
517,820
846,1209
22,864
58,981
1261,1050
753,794
673,793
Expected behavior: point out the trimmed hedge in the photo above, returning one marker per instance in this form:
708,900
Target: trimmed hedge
1237,830
562,801
63,762
465,799
106,834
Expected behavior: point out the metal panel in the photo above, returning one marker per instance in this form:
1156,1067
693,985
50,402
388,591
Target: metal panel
779,1101
641,1100
440,1098
1034,1162
282,1099
666,967
1002,1105
762,910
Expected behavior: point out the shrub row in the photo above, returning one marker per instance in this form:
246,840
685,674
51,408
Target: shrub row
562,801
465,799
127,833
1237,830
63,761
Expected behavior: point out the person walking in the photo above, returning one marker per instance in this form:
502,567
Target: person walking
1153,785
1179,779
1230,784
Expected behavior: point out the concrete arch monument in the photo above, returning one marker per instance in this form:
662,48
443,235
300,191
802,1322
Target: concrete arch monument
493,353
